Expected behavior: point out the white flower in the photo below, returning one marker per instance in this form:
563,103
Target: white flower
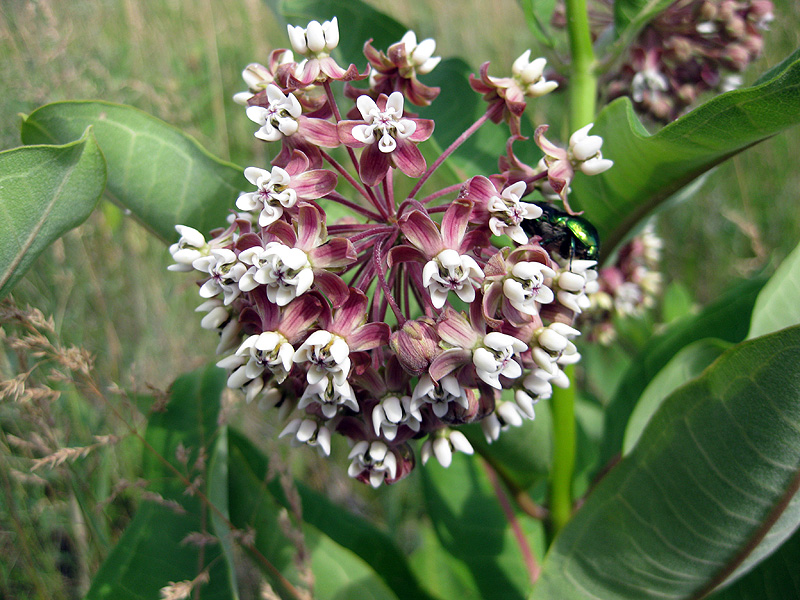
494,358
279,119
443,446
310,432
272,196
572,284
420,55
225,271
538,385
649,80
584,152
448,271
505,415
191,246
229,336
375,459
269,350
554,347
629,299
530,75
258,77
285,271
330,396
730,83
706,28
216,314
391,413
439,397
328,355
316,38
525,288
507,212
388,125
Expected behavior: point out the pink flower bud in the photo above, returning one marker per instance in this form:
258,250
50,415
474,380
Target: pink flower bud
416,345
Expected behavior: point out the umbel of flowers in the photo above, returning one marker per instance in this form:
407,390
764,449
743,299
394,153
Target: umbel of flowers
351,311
691,48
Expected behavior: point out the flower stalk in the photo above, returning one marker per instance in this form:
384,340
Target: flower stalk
583,80
562,407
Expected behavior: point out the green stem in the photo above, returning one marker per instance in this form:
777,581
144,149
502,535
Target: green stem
562,405
583,81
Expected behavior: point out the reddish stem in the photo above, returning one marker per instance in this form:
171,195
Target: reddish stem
490,112
534,570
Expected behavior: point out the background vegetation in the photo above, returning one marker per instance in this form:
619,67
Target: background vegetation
106,284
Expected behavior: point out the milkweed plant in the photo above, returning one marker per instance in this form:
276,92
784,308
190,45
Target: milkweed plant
395,295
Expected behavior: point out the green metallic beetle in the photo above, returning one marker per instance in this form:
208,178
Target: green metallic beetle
569,235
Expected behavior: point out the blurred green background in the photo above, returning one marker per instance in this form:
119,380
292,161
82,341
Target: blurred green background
106,283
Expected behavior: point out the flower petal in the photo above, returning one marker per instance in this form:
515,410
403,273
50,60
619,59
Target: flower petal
408,158
448,361
373,165
335,253
369,336
454,223
314,184
421,231
456,330
320,132
333,286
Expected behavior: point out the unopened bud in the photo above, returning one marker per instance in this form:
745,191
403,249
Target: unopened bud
416,345
708,11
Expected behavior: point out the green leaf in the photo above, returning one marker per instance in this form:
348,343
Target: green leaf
336,534
648,169
722,319
635,14
473,529
163,176
538,14
777,306
777,578
684,366
677,302
44,192
218,495
150,554
715,468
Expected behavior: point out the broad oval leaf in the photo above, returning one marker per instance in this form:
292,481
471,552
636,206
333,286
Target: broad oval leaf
684,366
777,306
150,554
44,192
648,169
163,176
715,468
777,578
721,319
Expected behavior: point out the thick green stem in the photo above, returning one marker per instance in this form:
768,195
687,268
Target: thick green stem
582,81
562,405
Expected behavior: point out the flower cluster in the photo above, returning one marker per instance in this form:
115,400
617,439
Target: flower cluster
382,318
626,288
690,48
